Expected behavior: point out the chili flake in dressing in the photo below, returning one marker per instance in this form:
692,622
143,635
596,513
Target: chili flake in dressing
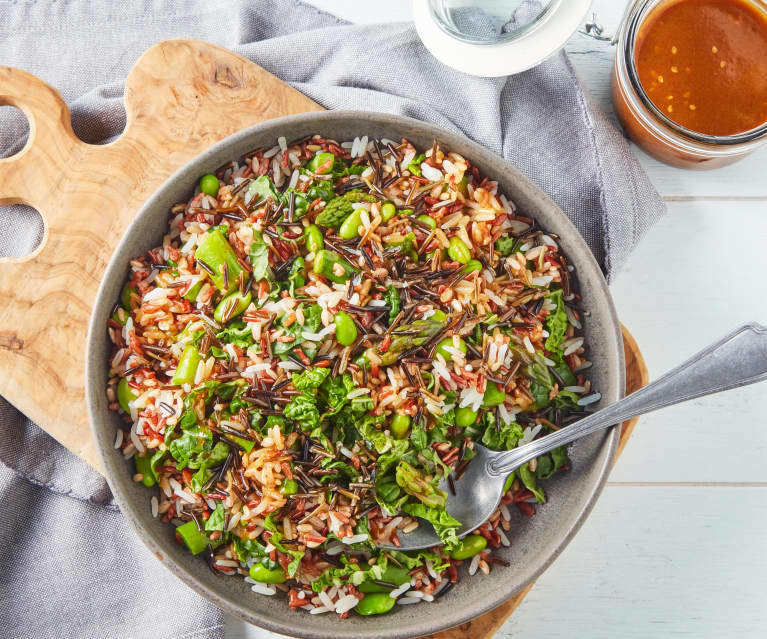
703,63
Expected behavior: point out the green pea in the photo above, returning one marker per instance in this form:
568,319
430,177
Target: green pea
465,416
470,545
209,184
351,225
472,265
314,240
144,466
187,366
125,296
321,163
427,220
399,425
509,482
438,315
125,394
388,211
264,575
377,603
346,329
448,342
289,487
494,395
231,306
458,251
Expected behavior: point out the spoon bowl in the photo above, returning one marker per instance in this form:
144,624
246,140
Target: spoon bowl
736,360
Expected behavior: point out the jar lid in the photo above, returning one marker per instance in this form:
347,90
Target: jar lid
494,38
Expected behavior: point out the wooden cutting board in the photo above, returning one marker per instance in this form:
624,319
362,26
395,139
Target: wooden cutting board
180,98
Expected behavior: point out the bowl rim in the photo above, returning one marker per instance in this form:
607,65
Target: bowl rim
116,268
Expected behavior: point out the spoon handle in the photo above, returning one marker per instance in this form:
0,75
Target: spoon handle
738,359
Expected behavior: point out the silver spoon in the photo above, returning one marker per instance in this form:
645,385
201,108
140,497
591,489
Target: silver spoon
736,360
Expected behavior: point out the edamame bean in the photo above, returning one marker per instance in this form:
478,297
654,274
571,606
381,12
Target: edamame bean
392,575
471,266
509,482
376,603
465,416
462,186
125,394
448,343
470,546
209,184
264,575
399,425
289,487
215,251
458,251
346,329
321,163
388,211
314,239
325,264
427,220
231,306
187,366
493,395
438,315
351,225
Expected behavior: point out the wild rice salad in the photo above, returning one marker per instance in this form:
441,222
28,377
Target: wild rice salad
325,331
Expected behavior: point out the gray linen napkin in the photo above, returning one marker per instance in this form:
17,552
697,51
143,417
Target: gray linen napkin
71,566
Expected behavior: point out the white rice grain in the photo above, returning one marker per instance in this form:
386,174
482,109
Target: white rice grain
404,601
325,599
398,591
589,399
344,604
155,506
474,564
263,589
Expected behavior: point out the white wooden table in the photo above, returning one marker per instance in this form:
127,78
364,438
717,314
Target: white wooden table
676,545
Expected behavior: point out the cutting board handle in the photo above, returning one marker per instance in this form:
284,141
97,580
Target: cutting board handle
32,175
180,97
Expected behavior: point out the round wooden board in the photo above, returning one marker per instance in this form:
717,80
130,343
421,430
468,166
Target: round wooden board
180,98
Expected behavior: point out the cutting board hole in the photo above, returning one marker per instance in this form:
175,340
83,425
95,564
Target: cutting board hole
21,230
15,131
102,119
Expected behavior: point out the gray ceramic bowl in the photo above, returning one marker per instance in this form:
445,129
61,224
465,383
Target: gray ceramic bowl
536,542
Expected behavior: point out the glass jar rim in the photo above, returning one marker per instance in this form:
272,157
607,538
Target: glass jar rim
635,19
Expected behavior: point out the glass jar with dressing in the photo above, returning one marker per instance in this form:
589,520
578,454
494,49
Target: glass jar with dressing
690,79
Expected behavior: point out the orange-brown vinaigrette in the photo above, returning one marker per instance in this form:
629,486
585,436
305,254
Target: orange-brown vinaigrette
703,63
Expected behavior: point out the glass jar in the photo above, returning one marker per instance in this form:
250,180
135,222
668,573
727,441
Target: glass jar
657,134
